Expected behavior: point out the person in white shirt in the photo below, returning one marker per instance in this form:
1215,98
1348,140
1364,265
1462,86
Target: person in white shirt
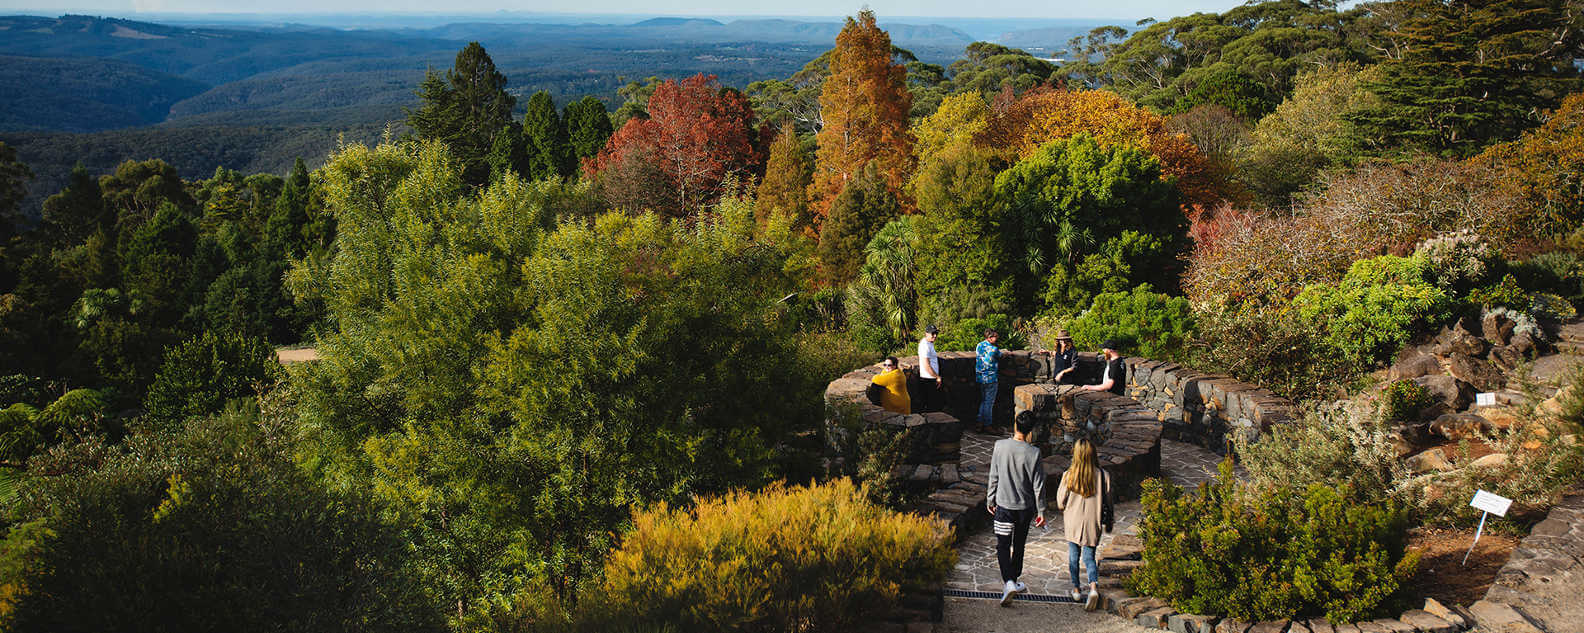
930,384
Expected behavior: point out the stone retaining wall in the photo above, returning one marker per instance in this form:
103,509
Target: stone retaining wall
1201,408
1127,434
1538,589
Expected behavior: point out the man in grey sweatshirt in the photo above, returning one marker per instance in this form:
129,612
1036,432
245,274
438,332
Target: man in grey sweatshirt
1015,496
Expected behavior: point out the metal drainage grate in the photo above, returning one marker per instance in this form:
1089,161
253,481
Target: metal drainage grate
991,595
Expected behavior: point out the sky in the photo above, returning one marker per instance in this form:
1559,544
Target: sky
1121,9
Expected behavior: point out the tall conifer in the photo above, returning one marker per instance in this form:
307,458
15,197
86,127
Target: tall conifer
864,104
588,126
545,136
1471,72
785,185
466,110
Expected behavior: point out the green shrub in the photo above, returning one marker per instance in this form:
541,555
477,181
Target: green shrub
1272,553
1403,400
1557,272
26,430
1274,347
817,558
966,334
1506,293
1342,444
212,528
200,375
1156,325
1380,304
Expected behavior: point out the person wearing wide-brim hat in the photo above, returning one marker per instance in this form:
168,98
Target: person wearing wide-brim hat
1115,375
1064,360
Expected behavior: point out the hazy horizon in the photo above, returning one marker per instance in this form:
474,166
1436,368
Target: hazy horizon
1118,10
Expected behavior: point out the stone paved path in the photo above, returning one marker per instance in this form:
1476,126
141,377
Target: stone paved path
1045,564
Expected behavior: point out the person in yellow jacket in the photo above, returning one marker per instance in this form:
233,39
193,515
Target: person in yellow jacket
895,394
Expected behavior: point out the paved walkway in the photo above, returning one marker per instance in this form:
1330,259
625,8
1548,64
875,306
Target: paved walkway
1045,564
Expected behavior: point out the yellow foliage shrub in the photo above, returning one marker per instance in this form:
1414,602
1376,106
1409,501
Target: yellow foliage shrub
1022,125
817,558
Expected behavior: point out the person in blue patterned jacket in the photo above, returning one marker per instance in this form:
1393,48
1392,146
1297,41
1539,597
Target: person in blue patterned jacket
987,369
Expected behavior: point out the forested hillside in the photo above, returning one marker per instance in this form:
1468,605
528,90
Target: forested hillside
84,95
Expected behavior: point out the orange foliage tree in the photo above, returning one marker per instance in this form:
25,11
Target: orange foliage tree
1020,125
697,134
1545,168
864,105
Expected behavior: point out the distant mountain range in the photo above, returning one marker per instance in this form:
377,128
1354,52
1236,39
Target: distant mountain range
276,81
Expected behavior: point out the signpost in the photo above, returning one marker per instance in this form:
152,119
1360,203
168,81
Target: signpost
1485,399
1488,503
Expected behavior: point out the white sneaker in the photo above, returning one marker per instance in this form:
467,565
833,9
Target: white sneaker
1077,596
1094,599
1019,587
1006,594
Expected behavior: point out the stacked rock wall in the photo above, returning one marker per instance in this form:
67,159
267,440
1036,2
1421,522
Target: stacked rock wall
1202,408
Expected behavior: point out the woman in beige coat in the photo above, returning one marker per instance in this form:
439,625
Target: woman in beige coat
1079,499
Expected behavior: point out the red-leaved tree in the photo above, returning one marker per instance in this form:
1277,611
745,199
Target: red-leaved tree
697,134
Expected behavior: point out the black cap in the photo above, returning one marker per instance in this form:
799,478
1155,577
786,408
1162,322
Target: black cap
1112,344
930,329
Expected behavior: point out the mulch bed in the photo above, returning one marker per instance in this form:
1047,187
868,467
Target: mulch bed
1441,574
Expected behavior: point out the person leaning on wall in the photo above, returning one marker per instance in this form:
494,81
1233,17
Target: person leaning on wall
1115,375
892,387
1064,360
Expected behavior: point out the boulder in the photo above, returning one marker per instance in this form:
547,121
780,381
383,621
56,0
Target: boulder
1457,340
1412,363
1493,460
1458,426
1441,611
1433,460
1497,328
1155,618
1481,374
1554,405
1232,626
1501,417
1426,622
1269,626
1455,393
1524,343
1506,357
1190,623
1496,617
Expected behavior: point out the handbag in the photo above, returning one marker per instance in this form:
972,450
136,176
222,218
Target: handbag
1107,509
873,392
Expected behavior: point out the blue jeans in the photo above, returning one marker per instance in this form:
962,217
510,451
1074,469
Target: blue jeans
1088,562
987,395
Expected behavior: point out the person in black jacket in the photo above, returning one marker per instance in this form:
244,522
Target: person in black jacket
1114,378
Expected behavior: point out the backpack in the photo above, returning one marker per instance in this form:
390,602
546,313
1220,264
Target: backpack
1107,509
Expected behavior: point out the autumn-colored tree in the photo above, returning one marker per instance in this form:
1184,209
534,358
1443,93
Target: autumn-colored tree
1546,168
1021,125
960,119
696,135
864,105
785,185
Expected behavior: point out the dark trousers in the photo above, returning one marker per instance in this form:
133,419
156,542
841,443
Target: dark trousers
1011,530
926,396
